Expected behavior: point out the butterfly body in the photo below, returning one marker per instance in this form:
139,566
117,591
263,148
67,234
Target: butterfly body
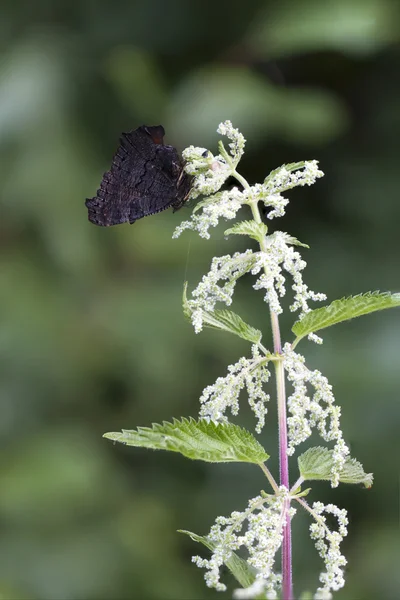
146,177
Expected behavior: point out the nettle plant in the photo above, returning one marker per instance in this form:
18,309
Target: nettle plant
263,528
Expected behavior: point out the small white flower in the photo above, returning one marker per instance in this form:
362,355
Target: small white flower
315,338
253,591
279,257
211,172
289,176
196,159
208,292
249,373
237,140
222,205
258,529
283,179
308,413
328,545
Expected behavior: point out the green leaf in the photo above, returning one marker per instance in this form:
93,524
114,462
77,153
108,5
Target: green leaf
343,310
198,440
299,494
257,231
316,463
244,573
225,320
294,241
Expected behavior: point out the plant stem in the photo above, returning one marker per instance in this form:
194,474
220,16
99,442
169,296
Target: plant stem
268,475
287,586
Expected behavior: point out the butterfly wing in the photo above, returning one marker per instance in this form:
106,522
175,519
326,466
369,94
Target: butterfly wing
146,177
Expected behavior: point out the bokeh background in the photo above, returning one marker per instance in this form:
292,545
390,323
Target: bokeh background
92,337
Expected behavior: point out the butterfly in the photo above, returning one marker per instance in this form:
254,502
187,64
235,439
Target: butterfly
145,178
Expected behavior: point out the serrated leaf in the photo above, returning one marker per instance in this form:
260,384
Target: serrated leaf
229,321
244,573
295,242
225,320
316,464
288,239
343,310
198,440
257,231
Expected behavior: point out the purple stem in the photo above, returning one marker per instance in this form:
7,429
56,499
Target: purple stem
287,586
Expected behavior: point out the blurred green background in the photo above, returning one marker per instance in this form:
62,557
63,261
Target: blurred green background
92,336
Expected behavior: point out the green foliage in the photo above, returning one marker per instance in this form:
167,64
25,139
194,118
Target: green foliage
295,242
198,440
257,231
240,569
225,320
316,464
343,310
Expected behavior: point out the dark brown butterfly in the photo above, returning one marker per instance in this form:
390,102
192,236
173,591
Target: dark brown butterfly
146,177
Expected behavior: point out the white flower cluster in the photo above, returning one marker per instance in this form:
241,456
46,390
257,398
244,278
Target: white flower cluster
249,373
257,588
262,538
222,205
307,412
208,292
289,176
210,172
238,142
277,202
328,545
280,256
282,179
208,180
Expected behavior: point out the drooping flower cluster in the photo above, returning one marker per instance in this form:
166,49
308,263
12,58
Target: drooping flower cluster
209,292
259,530
223,204
249,373
327,544
277,258
280,256
317,411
